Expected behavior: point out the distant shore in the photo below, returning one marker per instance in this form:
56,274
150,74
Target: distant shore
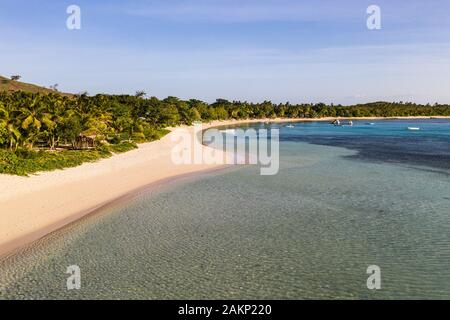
33,207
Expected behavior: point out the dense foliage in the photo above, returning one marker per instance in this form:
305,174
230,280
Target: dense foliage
37,121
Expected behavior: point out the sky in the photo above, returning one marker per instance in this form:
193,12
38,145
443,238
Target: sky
250,50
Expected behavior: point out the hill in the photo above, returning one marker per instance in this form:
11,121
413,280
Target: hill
11,86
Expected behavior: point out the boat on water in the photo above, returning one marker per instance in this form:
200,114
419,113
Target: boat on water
338,123
413,128
290,126
370,123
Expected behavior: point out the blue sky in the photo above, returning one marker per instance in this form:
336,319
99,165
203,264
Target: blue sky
254,50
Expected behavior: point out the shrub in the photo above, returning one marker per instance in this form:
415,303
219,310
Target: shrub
122,147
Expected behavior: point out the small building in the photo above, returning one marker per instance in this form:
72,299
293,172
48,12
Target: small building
84,142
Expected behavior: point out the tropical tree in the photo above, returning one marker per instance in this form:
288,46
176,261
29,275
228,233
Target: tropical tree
54,118
31,111
9,127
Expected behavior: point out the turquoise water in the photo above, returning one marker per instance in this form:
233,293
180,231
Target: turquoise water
344,199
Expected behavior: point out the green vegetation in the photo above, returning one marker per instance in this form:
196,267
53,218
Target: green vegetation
41,131
24,162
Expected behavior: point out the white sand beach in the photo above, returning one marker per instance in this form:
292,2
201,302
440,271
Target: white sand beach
31,207
34,206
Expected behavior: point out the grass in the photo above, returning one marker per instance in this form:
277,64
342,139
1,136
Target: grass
25,162
122,147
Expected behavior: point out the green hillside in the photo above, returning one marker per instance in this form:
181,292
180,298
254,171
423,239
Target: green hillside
11,86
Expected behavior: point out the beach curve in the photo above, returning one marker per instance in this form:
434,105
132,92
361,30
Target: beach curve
32,207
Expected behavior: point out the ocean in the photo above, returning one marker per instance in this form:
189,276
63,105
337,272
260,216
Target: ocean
345,198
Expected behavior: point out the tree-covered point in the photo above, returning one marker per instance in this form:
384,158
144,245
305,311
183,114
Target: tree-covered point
32,122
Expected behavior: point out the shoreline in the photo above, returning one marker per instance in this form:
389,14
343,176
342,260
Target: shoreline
33,207
21,244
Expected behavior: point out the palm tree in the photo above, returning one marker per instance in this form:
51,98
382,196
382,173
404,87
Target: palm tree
9,122
31,119
54,117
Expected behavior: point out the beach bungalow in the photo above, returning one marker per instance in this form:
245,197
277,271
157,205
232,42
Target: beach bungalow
84,142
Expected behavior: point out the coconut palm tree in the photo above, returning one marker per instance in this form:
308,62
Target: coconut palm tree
9,123
31,111
54,118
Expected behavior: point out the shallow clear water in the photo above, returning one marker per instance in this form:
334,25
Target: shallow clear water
309,232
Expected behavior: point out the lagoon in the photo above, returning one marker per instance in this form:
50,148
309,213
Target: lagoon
345,198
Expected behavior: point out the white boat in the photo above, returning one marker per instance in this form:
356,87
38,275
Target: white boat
290,126
349,124
413,128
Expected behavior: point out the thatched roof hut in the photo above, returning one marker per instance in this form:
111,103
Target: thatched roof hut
84,142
